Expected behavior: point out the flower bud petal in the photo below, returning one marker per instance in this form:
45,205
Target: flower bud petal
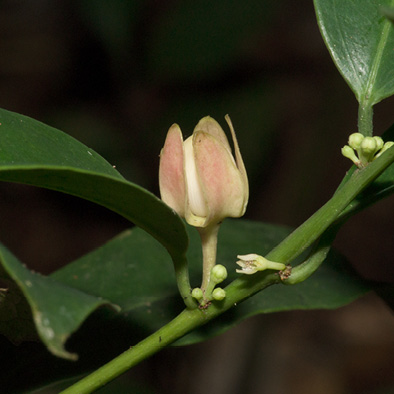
171,171
199,178
240,164
221,181
210,126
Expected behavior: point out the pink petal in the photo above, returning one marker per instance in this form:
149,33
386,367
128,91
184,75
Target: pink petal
171,172
239,161
221,180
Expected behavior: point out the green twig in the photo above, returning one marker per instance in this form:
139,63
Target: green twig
304,270
365,118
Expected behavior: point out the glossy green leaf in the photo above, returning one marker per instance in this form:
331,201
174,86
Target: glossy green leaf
360,40
57,310
36,154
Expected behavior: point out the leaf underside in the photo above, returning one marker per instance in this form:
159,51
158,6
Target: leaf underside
360,41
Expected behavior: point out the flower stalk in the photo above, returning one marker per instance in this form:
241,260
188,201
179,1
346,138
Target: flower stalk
209,239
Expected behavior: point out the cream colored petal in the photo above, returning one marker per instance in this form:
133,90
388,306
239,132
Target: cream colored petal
196,201
171,171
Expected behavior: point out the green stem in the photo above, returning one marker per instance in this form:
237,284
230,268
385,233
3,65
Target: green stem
365,116
183,323
183,282
310,231
313,262
245,286
186,321
209,240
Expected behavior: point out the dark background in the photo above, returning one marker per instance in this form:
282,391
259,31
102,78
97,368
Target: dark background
116,74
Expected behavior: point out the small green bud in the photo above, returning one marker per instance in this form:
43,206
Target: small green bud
355,140
367,150
218,273
218,294
368,145
348,152
379,143
386,146
197,294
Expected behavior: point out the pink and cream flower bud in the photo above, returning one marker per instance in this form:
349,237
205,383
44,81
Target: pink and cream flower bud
199,177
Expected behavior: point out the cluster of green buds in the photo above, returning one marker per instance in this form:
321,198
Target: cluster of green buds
367,149
204,297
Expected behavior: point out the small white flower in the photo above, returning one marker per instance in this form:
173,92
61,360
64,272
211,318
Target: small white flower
251,263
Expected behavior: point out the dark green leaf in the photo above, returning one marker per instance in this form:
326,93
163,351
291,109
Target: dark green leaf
360,41
36,154
57,310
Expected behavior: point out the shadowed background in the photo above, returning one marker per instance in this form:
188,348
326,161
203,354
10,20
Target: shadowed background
115,75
